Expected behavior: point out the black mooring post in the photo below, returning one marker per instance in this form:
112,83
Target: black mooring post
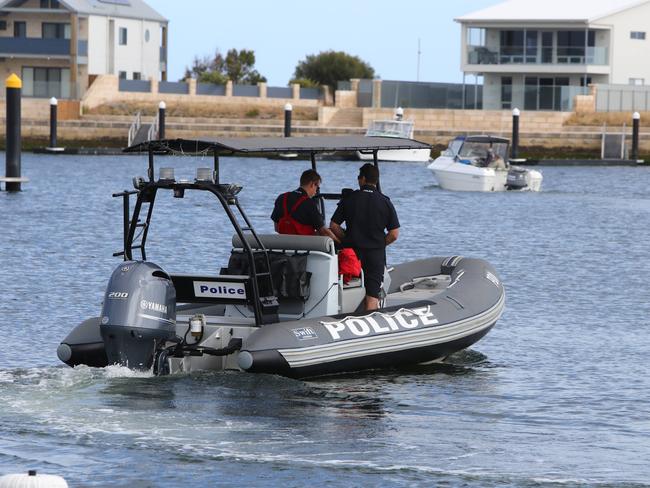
161,120
287,120
635,135
54,105
514,150
14,88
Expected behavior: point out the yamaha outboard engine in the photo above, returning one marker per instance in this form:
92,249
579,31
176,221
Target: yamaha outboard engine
516,179
139,314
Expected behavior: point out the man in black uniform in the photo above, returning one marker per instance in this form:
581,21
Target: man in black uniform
368,214
296,212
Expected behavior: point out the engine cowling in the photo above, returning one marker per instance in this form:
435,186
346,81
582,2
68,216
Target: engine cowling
138,315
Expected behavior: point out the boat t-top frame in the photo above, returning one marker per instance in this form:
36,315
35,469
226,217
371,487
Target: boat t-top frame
258,282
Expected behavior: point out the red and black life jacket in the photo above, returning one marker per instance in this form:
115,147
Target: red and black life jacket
288,225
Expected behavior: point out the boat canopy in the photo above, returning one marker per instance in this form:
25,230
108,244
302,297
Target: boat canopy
391,128
305,145
487,139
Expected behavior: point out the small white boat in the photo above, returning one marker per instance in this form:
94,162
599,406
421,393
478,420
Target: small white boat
395,128
480,163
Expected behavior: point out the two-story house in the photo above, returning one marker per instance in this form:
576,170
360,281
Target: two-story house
537,55
56,46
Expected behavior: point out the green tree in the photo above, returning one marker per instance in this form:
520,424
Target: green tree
329,67
238,66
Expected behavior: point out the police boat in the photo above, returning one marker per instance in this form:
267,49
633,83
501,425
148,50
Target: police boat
279,305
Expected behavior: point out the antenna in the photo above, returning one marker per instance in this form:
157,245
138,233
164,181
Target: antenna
419,52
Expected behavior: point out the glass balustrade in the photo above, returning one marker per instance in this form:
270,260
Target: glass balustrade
558,55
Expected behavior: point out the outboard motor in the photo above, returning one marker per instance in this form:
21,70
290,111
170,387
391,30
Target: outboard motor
516,179
138,315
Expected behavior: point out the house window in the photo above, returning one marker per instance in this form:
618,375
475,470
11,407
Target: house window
637,35
512,46
137,75
122,36
3,25
122,75
637,81
49,4
571,46
146,35
55,30
506,92
20,29
46,82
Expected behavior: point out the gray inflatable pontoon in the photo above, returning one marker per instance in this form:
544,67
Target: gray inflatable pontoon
279,305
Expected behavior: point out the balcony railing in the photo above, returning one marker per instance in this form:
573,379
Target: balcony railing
559,55
35,46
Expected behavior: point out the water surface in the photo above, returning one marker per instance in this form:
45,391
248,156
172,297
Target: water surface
554,395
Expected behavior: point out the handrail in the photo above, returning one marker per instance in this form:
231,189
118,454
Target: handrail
152,134
135,126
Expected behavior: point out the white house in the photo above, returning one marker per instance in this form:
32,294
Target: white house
56,46
537,55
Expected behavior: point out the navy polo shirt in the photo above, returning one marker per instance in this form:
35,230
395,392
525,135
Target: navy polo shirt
368,213
307,212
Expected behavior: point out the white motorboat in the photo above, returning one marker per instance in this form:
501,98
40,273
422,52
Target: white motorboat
395,128
480,163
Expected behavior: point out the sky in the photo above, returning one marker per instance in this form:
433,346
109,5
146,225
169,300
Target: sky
283,32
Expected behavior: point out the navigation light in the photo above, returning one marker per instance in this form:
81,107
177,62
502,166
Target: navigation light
166,174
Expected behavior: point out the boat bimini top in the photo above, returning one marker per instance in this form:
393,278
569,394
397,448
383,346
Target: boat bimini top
277,145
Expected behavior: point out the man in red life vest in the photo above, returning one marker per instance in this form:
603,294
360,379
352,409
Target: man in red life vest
296,212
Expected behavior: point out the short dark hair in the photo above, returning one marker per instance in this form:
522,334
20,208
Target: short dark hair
370,172
309,176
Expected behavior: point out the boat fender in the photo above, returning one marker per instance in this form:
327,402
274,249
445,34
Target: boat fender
32,480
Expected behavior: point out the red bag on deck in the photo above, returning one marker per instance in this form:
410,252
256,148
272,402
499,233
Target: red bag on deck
349,264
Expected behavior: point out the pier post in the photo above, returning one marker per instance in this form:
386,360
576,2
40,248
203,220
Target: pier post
287,120
54,104
514,149
161,120
636,116
14,88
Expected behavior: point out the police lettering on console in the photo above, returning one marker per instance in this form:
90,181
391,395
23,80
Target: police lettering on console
380,323
222,290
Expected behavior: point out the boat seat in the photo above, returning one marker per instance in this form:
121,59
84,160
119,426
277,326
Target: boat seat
286,242
320,270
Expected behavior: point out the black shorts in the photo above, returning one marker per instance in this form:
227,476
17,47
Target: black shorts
373,262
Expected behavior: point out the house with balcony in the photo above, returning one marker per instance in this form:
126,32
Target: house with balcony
58,46
538,55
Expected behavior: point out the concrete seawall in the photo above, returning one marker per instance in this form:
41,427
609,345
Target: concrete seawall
87,119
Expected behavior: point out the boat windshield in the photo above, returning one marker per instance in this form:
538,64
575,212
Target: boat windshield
391,128
472,149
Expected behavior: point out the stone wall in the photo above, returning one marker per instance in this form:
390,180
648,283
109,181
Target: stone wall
105,89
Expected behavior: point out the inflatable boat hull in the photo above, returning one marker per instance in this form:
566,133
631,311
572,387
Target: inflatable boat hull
434,308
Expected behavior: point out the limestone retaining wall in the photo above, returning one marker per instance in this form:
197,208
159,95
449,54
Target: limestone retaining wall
105,89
